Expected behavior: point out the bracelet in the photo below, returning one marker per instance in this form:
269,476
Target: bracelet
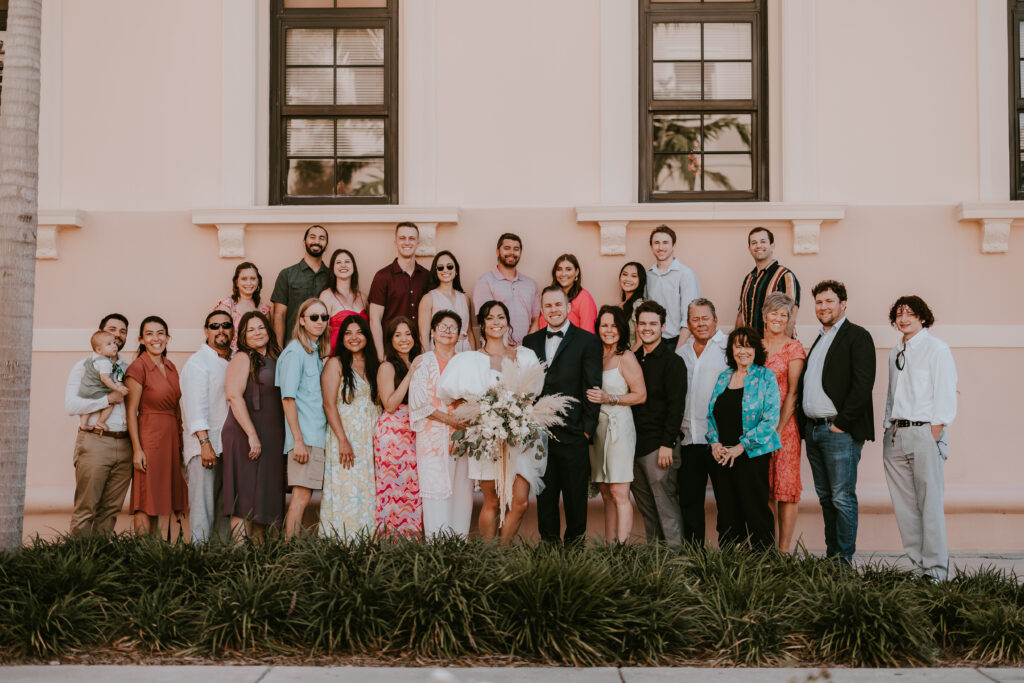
204,441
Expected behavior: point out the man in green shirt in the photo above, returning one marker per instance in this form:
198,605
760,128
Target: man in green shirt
305,280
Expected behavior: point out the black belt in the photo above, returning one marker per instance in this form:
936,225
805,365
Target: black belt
816,421
100,432
909,423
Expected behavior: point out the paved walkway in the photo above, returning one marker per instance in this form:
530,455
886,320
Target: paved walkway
288,674
967,561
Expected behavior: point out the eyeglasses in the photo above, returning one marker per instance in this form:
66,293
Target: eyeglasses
448,266
219,326
319,316
901,360
450,329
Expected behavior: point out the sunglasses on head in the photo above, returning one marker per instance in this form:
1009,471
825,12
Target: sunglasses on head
319,316
219,326
445,266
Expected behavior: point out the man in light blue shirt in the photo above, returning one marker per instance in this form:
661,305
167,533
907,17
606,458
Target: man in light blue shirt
305,428
672,285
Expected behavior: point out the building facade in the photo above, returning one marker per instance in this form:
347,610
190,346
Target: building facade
879,140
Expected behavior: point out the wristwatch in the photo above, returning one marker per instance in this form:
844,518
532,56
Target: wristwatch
204,441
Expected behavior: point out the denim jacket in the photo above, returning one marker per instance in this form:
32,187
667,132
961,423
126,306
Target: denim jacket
762,404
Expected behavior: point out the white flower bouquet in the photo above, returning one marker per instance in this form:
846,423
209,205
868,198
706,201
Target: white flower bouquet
509,414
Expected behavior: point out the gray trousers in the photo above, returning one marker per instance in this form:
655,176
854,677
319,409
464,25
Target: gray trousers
656,493
913,470
205,501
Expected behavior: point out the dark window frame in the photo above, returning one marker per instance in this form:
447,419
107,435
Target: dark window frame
1015,15
754,12
282,19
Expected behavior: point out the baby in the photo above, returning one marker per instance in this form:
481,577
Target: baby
102,375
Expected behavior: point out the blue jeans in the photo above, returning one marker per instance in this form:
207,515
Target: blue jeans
834,458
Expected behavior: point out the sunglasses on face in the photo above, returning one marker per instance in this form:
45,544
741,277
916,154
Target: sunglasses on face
443,267
219,326
319,316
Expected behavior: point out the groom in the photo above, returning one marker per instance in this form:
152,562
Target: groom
573,357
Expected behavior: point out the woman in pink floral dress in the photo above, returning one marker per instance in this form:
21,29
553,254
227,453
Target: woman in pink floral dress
399,509
786,358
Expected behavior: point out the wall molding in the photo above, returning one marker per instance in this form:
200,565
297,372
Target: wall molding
50,223
996,219
232,224
805,219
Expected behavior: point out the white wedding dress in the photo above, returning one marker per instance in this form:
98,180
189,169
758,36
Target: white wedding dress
469,375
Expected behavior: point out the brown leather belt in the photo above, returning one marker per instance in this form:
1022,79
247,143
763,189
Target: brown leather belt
100,432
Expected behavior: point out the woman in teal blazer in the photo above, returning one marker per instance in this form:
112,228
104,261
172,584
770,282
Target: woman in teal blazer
743,421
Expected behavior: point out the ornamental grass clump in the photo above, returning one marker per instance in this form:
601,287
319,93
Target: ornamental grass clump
455,601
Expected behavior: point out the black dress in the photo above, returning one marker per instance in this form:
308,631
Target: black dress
254,489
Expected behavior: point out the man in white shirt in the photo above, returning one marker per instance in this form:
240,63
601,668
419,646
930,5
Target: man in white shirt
920,405
704,355
103,459
204,409
671,284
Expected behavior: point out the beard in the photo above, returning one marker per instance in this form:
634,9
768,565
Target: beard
315,250
510,261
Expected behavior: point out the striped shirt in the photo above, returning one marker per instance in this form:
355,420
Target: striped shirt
759,284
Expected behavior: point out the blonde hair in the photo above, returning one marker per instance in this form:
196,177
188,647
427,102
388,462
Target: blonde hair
322,344
99,337
777,301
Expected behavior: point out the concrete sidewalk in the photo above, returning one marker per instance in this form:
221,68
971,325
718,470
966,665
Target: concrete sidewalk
297,674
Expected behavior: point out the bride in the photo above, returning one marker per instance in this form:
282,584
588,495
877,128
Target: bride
470,374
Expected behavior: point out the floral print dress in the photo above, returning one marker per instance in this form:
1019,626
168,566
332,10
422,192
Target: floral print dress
350,497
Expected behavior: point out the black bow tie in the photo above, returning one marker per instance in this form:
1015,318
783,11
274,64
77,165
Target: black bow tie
555,334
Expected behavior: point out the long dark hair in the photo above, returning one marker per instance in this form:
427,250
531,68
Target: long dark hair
621,324
435,281
256,359
638,293
235,294
370,360
145,321
332,279
391,353
577,285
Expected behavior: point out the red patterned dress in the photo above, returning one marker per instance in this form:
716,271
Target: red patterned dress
784,471
399,508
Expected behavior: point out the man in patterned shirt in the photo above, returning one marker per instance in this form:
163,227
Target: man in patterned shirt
766,277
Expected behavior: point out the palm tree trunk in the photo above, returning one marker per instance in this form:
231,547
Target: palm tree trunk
19,180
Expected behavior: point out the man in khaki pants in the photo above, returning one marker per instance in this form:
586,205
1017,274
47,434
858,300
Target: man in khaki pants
103,459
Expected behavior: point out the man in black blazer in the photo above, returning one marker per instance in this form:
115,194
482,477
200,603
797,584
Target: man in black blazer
835,413
573,357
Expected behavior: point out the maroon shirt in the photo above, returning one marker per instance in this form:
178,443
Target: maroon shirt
398,292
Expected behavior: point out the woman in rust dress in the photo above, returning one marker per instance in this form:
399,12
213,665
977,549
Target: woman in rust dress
154,423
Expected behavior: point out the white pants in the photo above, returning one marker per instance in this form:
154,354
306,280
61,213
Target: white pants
913,469
205,502
451,514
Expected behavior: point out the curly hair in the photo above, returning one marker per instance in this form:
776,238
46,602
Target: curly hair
745,336
916,305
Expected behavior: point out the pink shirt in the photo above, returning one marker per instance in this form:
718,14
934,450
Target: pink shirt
521,295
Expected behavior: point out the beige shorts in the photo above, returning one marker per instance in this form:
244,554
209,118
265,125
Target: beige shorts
309,475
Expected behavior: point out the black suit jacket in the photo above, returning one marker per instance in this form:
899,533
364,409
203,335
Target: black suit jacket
847,378
576,367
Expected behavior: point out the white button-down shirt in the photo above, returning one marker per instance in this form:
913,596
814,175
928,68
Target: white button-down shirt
816,401
701,375
551,343
76,405
925,389
203,401
674,289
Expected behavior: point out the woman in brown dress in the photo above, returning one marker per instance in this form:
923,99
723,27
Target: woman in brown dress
154,424
253,434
